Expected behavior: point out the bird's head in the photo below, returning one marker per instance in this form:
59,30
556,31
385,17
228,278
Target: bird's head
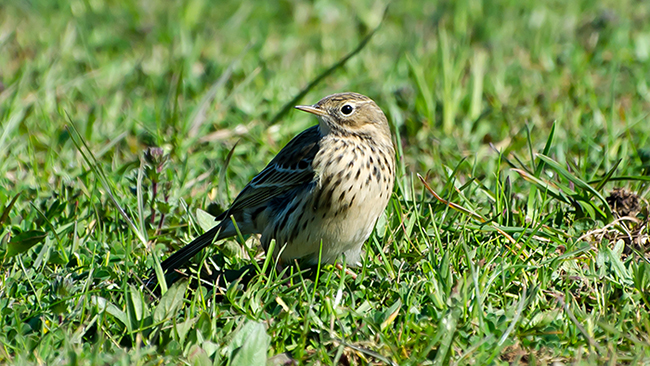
349,114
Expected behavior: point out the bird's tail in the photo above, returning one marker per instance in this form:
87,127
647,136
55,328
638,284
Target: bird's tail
183,255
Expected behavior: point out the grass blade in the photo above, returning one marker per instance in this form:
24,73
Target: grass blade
578,182
88,156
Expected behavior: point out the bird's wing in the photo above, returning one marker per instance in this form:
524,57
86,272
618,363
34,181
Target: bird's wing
291,167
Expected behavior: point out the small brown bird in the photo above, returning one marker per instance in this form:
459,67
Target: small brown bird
328,185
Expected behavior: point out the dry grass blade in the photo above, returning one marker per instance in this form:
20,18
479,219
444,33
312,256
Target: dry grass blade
464,210
451,204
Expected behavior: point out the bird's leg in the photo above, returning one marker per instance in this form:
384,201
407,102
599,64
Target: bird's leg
348,271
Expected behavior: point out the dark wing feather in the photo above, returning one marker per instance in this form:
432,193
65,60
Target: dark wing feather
290,168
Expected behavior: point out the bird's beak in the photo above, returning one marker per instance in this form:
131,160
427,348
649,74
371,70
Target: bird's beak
311,109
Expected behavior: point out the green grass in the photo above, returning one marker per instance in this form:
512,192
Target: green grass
523,114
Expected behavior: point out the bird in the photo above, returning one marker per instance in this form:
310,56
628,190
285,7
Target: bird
320,197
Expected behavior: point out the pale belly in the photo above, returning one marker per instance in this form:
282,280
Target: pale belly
344,234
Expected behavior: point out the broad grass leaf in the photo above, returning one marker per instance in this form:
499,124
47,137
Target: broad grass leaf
198,357
183,328
617,264
205,220
642,276
24,241
5,213
136,305
170,301
380,226
250,345
105,305
391,314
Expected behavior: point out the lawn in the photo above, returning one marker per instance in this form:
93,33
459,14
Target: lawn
517,232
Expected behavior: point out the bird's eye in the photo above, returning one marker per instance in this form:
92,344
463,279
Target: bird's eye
346,109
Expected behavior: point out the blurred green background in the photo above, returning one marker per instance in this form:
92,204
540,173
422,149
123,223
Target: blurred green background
471,88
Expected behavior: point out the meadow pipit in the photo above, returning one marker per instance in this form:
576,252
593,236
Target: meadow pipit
328,185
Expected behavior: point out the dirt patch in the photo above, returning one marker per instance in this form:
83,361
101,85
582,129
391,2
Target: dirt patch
631,223
623,203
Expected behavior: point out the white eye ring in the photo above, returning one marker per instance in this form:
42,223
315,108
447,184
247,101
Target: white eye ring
347,109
